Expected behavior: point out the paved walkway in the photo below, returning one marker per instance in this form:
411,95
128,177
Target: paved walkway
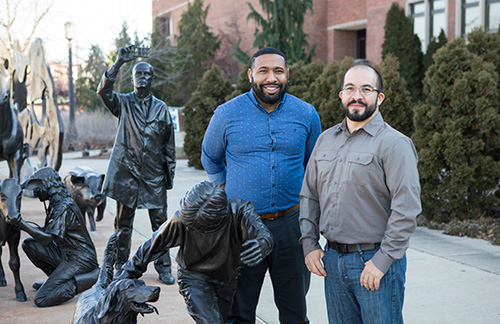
449,279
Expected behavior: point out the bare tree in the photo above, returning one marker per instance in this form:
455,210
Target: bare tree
11,22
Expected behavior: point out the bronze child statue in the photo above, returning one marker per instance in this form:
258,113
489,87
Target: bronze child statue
215,237
62,248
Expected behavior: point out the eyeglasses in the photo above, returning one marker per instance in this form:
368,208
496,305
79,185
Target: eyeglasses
364,90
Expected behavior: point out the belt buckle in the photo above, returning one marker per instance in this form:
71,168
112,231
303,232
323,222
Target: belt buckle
276,215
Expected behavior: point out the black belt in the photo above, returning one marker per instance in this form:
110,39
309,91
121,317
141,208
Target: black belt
349,248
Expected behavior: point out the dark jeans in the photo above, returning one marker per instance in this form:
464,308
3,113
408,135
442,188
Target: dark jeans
289,276
61,284
208,301
124,222
350,303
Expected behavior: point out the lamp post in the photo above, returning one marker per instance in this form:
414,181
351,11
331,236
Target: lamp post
69,33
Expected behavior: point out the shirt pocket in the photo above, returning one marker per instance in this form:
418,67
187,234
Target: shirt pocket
325,165
360,168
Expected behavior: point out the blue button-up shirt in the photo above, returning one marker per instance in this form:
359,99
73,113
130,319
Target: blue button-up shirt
261,156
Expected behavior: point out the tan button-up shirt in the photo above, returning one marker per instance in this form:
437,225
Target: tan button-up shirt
361,188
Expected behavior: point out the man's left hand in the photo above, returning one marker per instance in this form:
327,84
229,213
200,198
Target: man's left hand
371,276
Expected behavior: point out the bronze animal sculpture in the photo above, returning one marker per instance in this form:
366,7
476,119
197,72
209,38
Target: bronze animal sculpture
10,206
119,301
11,133
85,185
45,133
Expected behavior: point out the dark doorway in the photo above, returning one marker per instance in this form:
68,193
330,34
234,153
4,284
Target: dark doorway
361,44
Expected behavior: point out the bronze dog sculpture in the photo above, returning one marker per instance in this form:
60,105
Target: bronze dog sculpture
114,302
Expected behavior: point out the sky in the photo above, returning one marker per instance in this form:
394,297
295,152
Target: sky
95,22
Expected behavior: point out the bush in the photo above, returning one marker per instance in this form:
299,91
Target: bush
457,135
302,76
397,108
323,93
211,92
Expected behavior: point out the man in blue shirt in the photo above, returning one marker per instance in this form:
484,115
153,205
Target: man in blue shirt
257,146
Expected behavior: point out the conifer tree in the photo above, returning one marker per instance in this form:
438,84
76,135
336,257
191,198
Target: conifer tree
199,45
486,45
211,92
122,83
281,26
432,48
405,45
457,133
86,85
397,108
243,84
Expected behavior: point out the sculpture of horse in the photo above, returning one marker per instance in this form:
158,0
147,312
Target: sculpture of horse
10,206
11,132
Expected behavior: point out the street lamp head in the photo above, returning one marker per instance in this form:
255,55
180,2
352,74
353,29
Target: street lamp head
69,30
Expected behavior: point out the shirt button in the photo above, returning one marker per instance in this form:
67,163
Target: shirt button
340,160
357,158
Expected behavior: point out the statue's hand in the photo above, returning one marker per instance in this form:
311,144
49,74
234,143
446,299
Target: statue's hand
13,220
125,54
252,252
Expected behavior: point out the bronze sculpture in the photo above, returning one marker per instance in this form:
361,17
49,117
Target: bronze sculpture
11,133
142,164
85,185
215,236
10,206
62,248
114,302
31,81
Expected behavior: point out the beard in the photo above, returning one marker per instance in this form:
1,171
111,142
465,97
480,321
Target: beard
259,92
356,115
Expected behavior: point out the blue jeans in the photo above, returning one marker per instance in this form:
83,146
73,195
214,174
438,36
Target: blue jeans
350,303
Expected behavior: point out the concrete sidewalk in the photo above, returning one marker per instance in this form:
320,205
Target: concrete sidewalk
449,279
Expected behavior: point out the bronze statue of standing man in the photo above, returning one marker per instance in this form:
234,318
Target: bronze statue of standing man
142,164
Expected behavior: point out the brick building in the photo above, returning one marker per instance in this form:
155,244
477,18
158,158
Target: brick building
340,28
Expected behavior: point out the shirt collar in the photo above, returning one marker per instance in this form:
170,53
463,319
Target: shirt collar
372,127
140,100
251,96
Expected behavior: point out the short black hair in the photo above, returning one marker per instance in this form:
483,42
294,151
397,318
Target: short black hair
267,50
380,84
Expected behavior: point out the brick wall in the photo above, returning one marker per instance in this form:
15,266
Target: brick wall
227,18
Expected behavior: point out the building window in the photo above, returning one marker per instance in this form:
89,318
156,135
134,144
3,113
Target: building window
483,13
493,15
166,27
417,14
429,18
471,16
438,18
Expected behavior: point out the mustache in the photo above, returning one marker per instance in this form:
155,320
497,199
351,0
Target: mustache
361,102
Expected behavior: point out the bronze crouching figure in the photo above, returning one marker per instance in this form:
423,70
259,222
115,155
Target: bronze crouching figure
62,248
215,237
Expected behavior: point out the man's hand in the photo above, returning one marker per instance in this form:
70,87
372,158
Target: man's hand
314,263
371,276
252,252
